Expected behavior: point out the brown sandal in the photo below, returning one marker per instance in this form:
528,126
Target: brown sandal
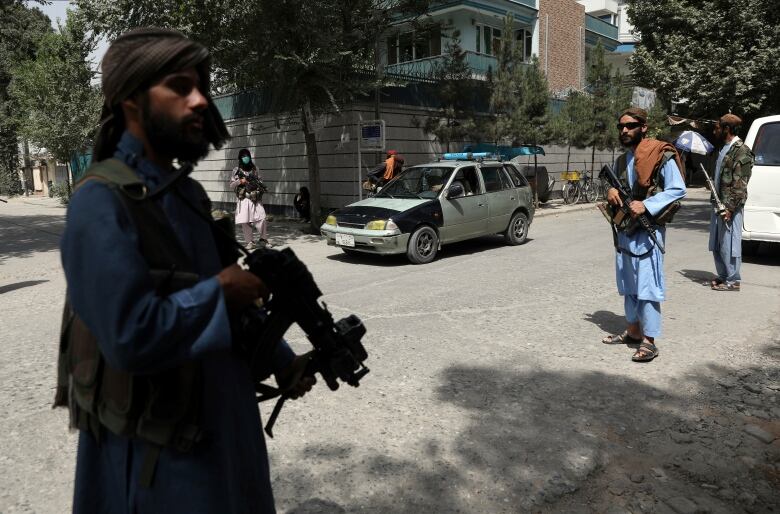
646,352
725,286
623,338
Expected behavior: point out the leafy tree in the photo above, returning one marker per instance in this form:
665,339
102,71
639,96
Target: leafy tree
574,124
20,29
454,86
714,55
308,58
57,107
608,96
531,119
505,85
657,122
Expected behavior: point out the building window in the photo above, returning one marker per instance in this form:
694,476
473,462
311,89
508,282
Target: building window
489,41
524,41
405,47
410,46
392,50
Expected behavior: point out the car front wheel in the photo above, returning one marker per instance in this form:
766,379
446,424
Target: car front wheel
423,245
517,231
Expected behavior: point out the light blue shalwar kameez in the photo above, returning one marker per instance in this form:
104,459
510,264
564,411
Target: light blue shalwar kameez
640,280
726,240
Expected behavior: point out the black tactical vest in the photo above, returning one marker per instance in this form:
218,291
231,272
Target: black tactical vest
163,408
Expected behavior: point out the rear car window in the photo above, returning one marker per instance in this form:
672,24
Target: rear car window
518,179
492,179
767,145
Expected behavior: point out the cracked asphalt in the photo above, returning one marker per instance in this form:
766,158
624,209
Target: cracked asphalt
489,388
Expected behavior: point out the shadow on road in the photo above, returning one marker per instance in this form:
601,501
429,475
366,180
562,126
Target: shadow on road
542,441
19,285
700,277
469,247
23,236
607,321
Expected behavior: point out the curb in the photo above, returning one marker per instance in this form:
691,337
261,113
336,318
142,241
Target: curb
550,211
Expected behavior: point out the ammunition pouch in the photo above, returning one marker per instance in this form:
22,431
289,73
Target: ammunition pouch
623,222
161,408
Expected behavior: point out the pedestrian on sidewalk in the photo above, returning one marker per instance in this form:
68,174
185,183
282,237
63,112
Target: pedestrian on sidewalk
302,203
732,173
650,169
149,365
248,185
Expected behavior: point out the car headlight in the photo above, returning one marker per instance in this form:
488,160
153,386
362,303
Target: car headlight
376,225
330,220
391,225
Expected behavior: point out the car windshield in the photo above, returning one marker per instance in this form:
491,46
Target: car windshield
418,182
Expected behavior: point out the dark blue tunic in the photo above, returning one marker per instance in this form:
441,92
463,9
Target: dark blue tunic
110,288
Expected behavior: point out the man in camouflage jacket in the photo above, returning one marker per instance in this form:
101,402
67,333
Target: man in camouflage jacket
732,173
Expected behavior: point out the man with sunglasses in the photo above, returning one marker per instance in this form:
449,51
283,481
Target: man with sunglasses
650,169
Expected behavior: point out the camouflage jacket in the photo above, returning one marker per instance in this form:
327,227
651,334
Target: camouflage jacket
734,175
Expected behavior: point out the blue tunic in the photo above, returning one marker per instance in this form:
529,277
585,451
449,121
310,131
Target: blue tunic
644,277
110,289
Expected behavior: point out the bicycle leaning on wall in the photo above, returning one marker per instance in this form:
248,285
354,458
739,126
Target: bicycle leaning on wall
581,185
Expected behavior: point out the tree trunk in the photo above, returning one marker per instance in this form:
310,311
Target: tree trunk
593,157
313,161
568,157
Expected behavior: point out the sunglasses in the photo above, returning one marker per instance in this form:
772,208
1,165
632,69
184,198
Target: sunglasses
630,125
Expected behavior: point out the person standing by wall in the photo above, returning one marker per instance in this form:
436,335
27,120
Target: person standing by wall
732,173
650,169
250,213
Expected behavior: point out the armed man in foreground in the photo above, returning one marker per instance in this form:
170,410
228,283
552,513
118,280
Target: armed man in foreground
165,406
732,173
650,173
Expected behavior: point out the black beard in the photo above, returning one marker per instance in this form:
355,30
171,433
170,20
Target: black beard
173,139
630,140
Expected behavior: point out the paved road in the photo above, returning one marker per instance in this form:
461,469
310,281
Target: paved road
489,389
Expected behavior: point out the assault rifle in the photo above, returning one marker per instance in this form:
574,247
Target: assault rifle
253,182
338,353
623,212
717,204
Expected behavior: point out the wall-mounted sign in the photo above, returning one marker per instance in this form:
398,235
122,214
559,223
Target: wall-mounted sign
372,135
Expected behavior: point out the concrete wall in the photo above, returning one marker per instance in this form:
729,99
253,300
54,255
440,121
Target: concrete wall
280,153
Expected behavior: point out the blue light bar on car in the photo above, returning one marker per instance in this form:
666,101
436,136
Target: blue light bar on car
466,156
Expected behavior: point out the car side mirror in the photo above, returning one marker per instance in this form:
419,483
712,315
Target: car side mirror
454,191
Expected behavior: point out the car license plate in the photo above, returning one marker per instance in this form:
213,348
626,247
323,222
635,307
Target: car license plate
345,240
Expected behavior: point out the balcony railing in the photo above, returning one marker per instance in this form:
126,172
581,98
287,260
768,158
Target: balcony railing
601,27
424,68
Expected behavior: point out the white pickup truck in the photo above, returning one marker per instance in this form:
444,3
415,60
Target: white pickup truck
762,210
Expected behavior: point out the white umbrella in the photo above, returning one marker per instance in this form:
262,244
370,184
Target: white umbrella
693,142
